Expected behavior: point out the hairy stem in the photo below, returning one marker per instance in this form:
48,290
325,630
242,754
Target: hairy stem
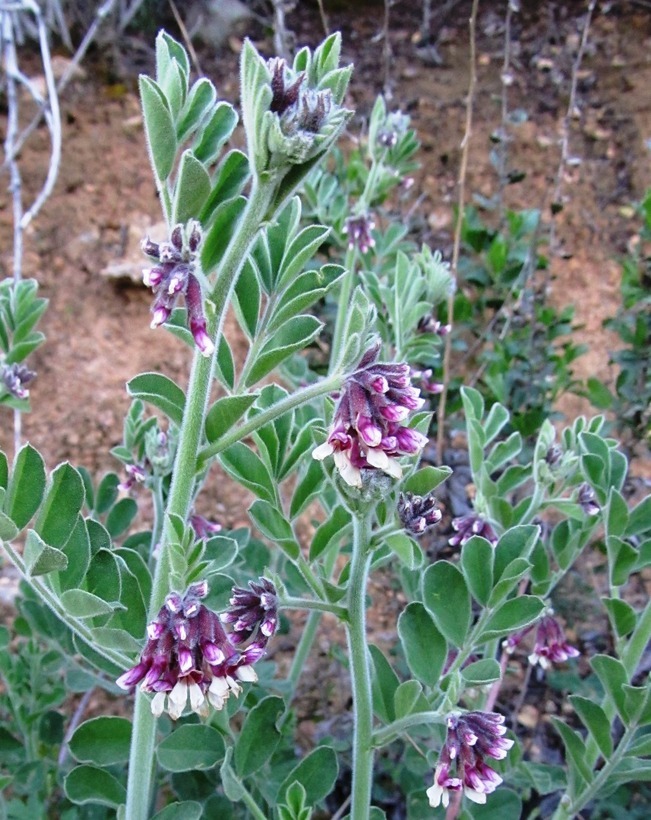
360,671
292,401
182,487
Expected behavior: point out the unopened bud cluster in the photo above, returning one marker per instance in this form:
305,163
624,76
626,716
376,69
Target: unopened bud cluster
417,512
367,433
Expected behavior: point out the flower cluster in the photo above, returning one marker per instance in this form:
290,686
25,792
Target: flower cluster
173,275
468,525
252,609
470,738
367,433
358,229
550,645
190,658
15,378
159,448
418,512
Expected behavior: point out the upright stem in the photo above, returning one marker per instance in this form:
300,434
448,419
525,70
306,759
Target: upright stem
141,764
360,671
347,286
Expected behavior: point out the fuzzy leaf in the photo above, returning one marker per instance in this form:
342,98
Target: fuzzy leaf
161,392
247,468
477,566
215,133
40,558
225,412
512,615
481,672
259,736
102,740
594,719
191,747
26,486
294,335
384,683
426,480
425,648
274,526
317,773
82,604
226,219
159,128
333,529
186,810
192,189
447,599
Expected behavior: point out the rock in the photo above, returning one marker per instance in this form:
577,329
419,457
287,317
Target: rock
130,264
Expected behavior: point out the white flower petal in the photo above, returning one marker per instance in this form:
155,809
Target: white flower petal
246,673
476,797
196,696
393,468
377,458
323,451
158,703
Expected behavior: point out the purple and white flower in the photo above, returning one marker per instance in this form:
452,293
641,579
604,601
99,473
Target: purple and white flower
173,275
358,229
468,525
470,738
550,646
190,660
367,433
15,378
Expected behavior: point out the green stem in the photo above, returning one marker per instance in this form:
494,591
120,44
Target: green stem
184,473
303,650
304,396
360,671
571,808
393,730
345,294
248,799
157,527
315,606
141,759
309,632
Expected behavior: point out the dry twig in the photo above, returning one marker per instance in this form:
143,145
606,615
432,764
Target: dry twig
463,168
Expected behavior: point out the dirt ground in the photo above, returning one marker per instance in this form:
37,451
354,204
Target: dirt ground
97,328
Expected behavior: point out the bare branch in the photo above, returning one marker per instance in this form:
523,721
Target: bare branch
463,169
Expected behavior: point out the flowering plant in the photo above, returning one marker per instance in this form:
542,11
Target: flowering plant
174,615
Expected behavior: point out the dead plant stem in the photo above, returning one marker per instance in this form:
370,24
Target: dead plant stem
557,196
463,168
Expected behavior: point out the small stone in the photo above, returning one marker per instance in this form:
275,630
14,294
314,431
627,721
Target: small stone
528,716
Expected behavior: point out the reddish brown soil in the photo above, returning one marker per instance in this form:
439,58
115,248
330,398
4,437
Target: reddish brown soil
97,330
